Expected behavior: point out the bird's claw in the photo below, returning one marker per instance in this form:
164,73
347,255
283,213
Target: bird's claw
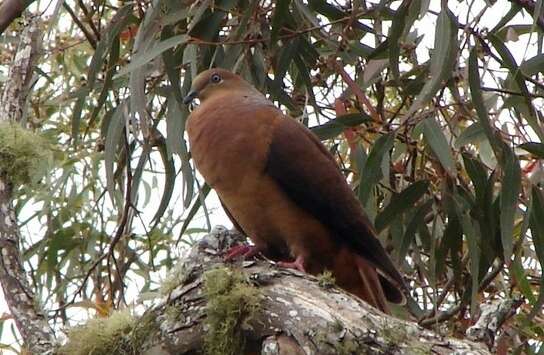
245,251
298,264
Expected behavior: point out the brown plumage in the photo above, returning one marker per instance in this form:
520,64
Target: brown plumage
283,189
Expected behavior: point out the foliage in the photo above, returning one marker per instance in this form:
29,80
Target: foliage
231,303
443,147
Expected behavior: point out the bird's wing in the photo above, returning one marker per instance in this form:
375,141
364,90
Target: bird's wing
303,167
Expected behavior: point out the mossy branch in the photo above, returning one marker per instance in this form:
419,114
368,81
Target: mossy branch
255,307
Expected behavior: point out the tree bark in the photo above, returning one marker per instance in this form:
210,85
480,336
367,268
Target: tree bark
295,316
10,10
35,331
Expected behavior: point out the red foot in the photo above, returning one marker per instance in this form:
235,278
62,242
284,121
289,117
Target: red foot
243,250
298,264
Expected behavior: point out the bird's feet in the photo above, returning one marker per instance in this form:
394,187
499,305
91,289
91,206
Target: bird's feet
298,264
244,251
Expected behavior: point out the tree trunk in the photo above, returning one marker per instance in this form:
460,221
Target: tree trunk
254,307
30,321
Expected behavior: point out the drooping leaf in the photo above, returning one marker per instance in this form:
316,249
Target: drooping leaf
535,148
417,220
193,210
334,127
278,18
473,241
514,10
434,136
537,223
372,171
511,186
533,65
443,58
478,102
113,138
149,54
472,134
169,182
477,173
401,203
509,62
395,36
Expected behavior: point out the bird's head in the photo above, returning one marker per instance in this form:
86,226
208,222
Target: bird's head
213,82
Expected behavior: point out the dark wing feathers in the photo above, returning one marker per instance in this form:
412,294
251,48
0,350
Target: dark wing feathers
307,172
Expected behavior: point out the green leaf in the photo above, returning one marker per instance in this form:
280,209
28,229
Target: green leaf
175,124
514,10
478,102
518,273
280,13
537,149
120,20
76,115
334,127
477,173
137,173
286,55
108,81
194,209
143,57
169,182
435,138
175,142
511,186
509,62
473,241
472,134
536,223
400,203
417,220
533,65
334,13
372,172
114,136
442,60
520,29
395,37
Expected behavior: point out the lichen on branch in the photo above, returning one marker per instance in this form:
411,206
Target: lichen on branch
232,302
120,333
24,155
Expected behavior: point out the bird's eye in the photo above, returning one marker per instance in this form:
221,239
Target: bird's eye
215,78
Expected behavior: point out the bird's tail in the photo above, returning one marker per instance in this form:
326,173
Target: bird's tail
357,276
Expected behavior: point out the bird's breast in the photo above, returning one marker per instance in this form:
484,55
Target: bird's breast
229,142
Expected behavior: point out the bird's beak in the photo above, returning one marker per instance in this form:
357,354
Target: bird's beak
190,97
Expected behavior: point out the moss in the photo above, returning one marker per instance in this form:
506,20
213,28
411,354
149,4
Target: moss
232,302
176,276
24,155
120,333
334,338
326,279
172,313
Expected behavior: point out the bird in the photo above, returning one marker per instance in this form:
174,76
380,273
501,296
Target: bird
283,189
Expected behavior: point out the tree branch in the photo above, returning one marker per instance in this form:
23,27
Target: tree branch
292,314
30,321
